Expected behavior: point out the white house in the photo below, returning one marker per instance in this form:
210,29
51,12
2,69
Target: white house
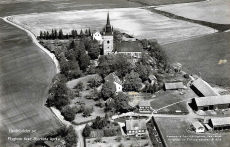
97,36
112,77
136,127
199,128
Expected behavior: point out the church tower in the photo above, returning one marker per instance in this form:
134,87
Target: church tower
108,38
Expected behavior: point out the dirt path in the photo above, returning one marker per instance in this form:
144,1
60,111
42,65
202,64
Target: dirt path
79,130
34,39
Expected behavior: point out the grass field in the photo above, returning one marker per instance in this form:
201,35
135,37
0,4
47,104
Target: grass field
216,11
165,98
163,2
135,21
175,134
202,56
15,7
25,76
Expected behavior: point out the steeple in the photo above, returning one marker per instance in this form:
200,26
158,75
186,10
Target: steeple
108,21
108,28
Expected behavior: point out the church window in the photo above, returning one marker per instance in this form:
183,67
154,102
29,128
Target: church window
108,41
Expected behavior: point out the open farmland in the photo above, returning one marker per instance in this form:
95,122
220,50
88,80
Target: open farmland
163,2
15,7
215,11
25,76
175,134
206,56
134,21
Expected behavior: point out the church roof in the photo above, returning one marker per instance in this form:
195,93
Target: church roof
129,47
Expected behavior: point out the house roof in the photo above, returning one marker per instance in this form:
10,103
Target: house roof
112,77
144,103
204,88
129,47
177,85
212,100
197,125
131,124
220,121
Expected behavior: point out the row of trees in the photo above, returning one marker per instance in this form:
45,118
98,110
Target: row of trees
58,34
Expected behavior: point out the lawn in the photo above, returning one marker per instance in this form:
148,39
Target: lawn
164,98
84,80
25,77
138,22
216,11
174,132
111,142
202,56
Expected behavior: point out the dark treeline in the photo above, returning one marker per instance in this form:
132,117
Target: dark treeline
58,34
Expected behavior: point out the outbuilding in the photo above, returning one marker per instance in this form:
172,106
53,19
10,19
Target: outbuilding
202,88
211,102
222,123
144,107
199,128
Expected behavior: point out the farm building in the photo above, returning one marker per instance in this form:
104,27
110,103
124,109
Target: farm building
202,88
211,102
220,123
199,128
113,78
144,107
174,86
133,49
136,127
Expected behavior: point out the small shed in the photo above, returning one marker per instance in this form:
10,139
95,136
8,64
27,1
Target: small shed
199,128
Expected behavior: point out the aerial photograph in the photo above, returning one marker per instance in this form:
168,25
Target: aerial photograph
114,73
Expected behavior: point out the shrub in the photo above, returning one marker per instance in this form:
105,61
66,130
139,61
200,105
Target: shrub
186,76
121,145
97,140
68,113
118,139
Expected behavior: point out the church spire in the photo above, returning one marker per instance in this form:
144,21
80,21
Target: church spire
108,28
108,20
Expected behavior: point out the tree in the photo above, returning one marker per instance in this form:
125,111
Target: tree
121,102
84,61
68,113
81,33
86,131
41,35
71,137
89,32
117,36
108,90
132,82
79,86
60,34
87,112
143,71
55,34
94,50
